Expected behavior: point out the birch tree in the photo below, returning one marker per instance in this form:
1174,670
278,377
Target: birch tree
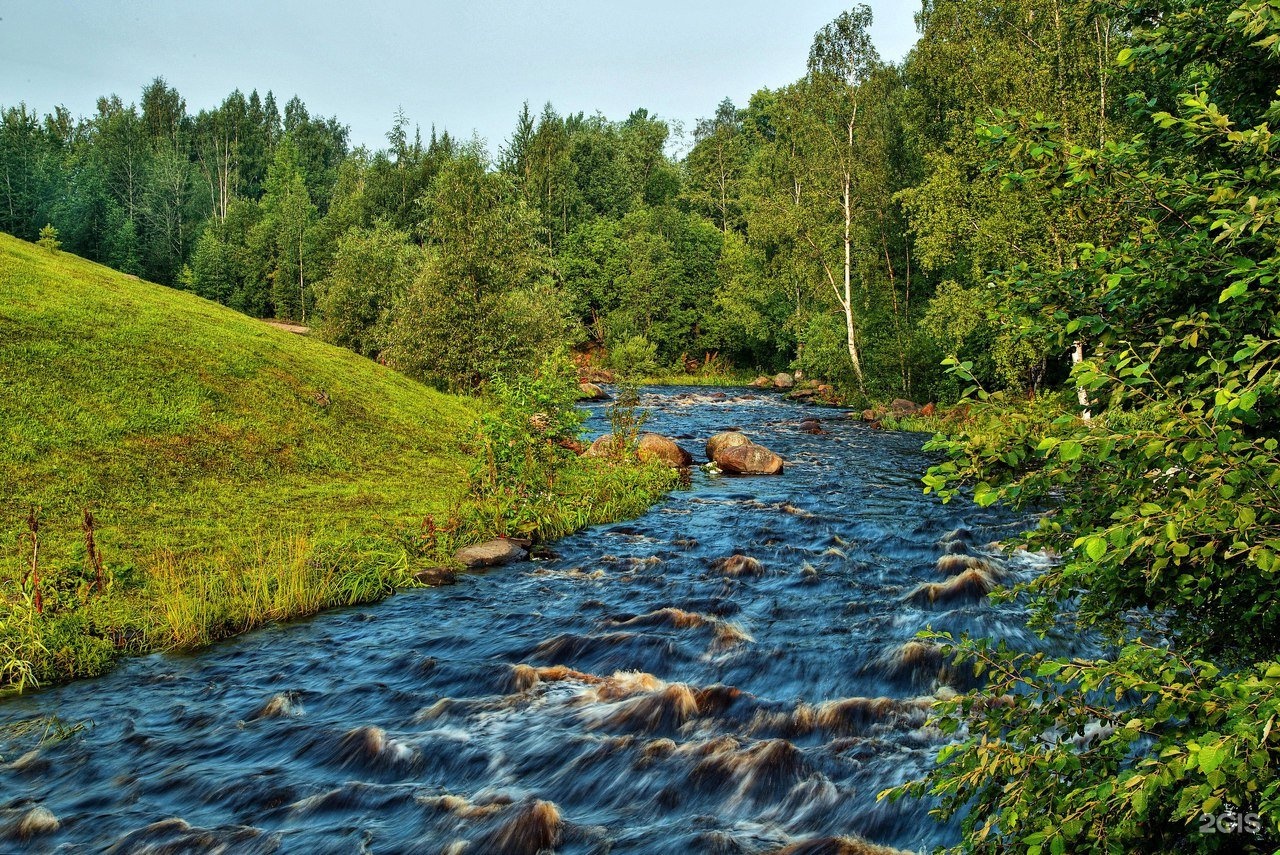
841,60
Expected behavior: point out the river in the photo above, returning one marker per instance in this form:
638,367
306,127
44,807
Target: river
626,696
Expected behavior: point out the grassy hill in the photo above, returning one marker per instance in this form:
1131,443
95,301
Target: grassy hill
237,473
154,406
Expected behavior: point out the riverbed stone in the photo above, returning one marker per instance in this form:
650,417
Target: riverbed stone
783,381
436,577
761,382
591,392
903,407
812,426
725,439
749,459
654,446
494,553
37,821
739,565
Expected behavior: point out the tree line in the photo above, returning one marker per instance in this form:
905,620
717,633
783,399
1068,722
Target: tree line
844,224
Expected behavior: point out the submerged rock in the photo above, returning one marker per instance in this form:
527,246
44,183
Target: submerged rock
970,585
495,553
37,821
436,577
739,565
837,846
749,459
725,439
812,426
527,829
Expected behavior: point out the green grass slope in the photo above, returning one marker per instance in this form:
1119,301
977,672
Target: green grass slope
151,406
199,438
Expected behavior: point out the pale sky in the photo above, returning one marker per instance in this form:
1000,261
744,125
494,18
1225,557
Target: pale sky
464,66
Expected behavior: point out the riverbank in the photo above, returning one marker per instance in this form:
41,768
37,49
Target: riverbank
175,473
639,689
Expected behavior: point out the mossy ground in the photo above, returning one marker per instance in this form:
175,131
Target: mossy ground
236,473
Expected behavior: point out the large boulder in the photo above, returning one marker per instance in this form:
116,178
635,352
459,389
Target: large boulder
495,553
749,459
725,439
762,382
783,381
652,446
591,392
903,407
603,447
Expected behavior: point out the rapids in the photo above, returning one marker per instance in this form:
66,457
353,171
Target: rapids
630,695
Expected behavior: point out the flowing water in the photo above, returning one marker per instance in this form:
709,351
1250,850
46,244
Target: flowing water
634,694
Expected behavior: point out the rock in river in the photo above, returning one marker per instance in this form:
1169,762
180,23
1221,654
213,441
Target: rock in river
495,553
725,439
655,447
749,459
591,392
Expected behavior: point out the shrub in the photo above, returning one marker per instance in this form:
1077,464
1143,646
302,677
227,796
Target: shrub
49,238
634,357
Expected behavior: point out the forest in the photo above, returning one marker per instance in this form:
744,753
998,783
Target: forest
1057,218
845,223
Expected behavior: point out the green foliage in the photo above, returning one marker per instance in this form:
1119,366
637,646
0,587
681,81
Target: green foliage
371,270
524,440
1164,505
481,304
652,273
634,357
49,238
823,350
626,421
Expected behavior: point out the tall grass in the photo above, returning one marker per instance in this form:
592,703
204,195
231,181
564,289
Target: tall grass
200,600
20,646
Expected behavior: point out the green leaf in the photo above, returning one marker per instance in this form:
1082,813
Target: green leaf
1235,289
1211,757
1070,450
1096,547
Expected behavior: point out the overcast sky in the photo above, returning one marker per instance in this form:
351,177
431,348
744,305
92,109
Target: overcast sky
464,66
